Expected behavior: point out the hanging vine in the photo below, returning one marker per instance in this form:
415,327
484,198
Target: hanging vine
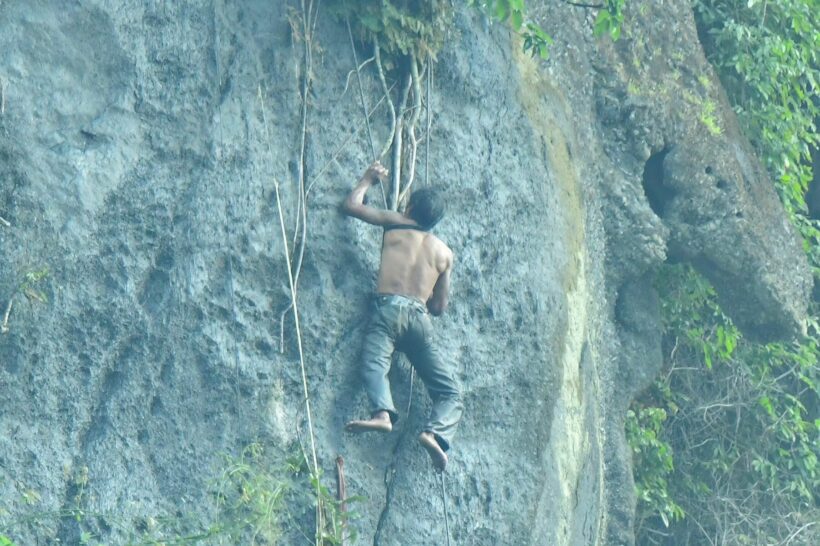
406,37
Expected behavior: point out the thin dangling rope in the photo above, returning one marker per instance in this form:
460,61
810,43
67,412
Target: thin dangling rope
444,504
364,104
412,380
429,119
361,89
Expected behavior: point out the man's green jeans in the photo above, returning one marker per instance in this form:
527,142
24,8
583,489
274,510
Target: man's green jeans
402,323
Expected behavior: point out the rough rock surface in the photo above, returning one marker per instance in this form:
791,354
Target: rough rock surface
139,144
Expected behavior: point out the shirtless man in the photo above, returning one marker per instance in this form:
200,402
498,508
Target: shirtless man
414,281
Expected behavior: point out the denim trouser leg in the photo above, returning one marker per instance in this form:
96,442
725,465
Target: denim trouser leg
439,378
377,353
403,324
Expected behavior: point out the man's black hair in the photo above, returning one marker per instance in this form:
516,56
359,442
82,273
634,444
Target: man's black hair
426,207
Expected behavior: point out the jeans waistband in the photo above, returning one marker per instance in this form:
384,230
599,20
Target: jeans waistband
401,301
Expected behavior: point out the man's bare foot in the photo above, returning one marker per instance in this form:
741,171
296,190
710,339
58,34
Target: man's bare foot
439,458
380,422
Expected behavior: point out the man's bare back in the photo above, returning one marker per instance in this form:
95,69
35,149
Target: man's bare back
414,263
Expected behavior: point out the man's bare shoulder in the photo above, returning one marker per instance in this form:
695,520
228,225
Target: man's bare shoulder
437,243
442,251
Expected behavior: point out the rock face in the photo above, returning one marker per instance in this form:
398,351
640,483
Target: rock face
139,146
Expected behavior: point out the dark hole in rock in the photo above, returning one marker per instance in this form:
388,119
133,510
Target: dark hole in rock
113,381
155,291
11,357
722,184
165,259
156,406
708,170
658,194
293,167
264,347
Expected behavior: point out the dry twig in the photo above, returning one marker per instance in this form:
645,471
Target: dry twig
341,491
4,328
342,146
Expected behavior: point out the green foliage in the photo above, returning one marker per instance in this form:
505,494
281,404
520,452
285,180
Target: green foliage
654,457
250,499
257,500
610,20
726,441
708,119
742,417
404,27
535,40
336,516
420,27
767,56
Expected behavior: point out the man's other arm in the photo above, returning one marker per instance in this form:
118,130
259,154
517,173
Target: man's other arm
354,203
437,303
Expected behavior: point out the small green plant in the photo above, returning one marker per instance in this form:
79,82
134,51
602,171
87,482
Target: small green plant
535,40
30,497
6,541
250,499
28,287
708,119
706,115
610,19
255,499
337,515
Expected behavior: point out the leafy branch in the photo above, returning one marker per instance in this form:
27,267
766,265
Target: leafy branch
610,19
535,40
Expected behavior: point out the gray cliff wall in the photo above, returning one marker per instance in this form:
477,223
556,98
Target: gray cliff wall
135,164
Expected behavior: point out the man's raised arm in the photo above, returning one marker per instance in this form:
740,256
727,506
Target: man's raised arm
354,203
